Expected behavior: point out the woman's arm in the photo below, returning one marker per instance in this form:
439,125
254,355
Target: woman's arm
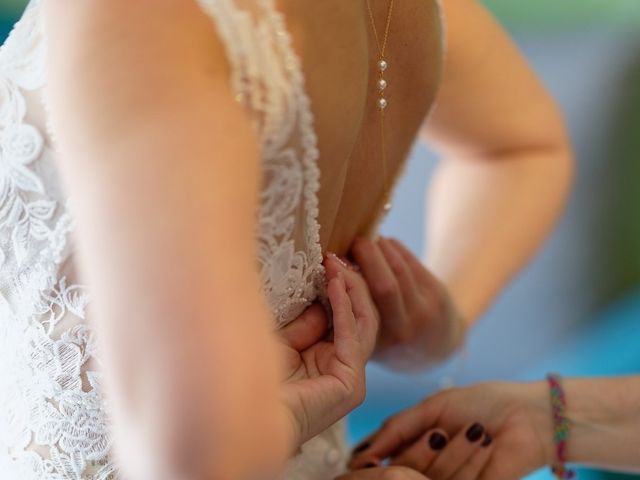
162,167
507,161
604,417
605,422
503,182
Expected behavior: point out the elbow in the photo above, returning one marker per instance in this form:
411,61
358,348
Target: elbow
545,149
208,410
200,439
237,447
562,164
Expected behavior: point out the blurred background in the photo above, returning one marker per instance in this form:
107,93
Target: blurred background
576,308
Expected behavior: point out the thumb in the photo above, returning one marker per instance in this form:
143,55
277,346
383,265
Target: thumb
307,329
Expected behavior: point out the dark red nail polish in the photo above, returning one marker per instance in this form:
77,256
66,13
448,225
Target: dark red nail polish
437,441
487,440
475,432
362,447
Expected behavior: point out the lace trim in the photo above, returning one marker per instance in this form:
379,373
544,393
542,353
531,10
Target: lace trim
309,139
269,82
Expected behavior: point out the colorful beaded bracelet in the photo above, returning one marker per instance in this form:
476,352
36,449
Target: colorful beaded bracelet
560,427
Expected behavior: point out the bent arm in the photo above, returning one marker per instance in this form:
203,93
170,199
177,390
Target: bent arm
162,168
507,161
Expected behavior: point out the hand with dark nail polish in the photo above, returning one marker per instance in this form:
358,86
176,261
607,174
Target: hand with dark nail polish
469,433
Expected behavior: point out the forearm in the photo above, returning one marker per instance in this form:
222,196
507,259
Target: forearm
605,422
487,216
507,164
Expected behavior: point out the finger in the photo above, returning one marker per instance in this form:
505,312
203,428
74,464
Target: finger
401,270
426,282
361,301
333,264
474,467
365,313
423,452
366,473
362,304
380,278
345,334
459,450
420,272
398,432
383,473
306,330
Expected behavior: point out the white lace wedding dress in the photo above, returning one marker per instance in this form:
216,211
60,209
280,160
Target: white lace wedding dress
53,417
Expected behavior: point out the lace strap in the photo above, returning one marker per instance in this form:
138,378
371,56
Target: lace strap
267,79
262,63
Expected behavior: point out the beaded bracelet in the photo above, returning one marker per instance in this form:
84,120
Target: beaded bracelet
560,427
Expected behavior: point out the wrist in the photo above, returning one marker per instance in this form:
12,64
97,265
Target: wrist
601,414
538,403
604,412
294,432
457,316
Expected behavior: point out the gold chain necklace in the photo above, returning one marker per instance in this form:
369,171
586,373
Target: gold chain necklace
381,66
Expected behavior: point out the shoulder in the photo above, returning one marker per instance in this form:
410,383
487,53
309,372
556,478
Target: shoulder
144,33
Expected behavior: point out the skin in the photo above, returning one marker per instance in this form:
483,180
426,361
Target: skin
508,161
506,155
325,370
379,473
506,171
158,256
604,423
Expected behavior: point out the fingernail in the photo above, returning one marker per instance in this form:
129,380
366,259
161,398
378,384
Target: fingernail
362,447
437,441
338,259
370,465
474,432
487,440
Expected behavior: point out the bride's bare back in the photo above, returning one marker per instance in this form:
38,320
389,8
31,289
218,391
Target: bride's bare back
339,52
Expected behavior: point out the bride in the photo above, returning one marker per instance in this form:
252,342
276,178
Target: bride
194,162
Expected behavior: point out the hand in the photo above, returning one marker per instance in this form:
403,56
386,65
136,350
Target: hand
419,322
516,439
388,473
325,377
